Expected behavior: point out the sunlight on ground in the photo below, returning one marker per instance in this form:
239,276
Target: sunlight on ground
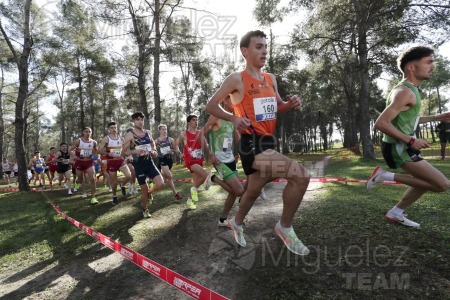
107,263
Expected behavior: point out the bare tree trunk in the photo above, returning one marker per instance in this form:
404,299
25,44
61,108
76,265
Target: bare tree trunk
80,92
2,123
20,119
364,93
156,63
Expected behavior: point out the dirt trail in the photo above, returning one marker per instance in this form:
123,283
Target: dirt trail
194,247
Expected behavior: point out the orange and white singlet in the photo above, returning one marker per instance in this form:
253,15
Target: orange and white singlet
259,104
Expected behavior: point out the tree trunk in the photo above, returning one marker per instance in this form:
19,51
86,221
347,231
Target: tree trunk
156,63
80,92
20,118
364,92
2,123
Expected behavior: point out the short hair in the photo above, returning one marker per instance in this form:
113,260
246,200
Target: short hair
36,152
412,54
52,148
245,40
190,117
136,115
87,128
161,125
63,143
111,123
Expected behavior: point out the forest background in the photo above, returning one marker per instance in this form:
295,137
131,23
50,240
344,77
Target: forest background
69,64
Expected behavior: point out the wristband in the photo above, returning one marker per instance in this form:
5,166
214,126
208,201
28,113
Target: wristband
411,141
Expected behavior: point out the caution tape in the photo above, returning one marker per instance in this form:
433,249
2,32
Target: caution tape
312,179
182,283
8,190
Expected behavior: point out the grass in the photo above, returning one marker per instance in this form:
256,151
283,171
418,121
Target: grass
341,223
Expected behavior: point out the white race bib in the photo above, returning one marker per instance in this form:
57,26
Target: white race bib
198,153
226,144
165,150
265,108
85,152
116,152
146,147
38,165
65,161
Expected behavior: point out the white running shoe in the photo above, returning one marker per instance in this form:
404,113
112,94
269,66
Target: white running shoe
69,192
238,232
291,241
376,177
400,219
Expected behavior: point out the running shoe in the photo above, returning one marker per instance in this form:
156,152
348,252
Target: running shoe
222,224
291,241
146,213
190,204
376,177
69,192
115,200
207,181
194,194
94,200
400,219
65,186
238,232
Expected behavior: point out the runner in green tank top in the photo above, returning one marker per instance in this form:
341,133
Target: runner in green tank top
222,134
400,147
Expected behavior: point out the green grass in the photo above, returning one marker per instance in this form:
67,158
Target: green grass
338,220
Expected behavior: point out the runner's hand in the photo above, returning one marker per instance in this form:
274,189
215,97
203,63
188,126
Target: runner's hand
294,102
419,144
214,160
241,124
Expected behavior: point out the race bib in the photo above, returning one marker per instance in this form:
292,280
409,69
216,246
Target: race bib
116,152
38,165
226,144
265,109
165,150
65,161
85,152
198,153
104,161
146,147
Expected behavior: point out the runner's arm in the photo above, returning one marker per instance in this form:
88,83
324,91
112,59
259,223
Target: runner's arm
292,101
401,100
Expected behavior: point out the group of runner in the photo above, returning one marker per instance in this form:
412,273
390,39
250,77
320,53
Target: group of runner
244,128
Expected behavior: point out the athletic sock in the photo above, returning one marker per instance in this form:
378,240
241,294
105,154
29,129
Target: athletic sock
388,176
397,211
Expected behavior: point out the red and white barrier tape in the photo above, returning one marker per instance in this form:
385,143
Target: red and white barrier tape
182,283
313,179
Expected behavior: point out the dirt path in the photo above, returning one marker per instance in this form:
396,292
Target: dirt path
194,247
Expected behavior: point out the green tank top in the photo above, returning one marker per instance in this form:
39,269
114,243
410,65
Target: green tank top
406,120
222,142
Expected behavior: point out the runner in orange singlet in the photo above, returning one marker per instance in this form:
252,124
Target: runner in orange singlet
256,102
